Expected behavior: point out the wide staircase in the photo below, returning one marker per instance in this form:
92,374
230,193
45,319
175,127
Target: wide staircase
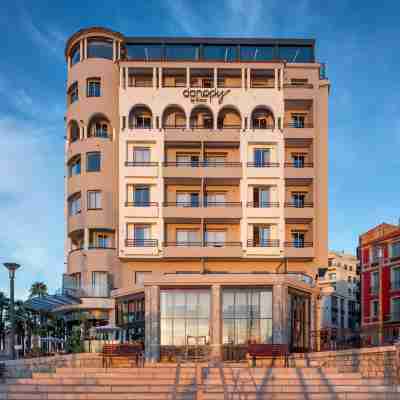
197,382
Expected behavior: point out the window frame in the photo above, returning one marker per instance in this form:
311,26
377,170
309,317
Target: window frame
73,92
90,153
90,91
96,193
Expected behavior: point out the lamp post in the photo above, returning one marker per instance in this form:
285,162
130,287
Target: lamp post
12,267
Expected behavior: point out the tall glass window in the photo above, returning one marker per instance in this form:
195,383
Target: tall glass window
185,317
296,54
93,161
146,52
181,52
396,249
100,48
219,53
75,54
256,53
247,316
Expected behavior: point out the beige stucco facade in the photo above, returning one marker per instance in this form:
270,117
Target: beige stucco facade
158,140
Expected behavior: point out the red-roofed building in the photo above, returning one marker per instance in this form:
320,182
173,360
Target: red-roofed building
379,255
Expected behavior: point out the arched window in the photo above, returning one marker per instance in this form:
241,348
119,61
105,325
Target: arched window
229,118
262,118
99,126
73,131
140,117
201,117
174,117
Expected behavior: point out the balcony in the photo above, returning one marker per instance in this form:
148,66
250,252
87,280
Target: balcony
262,78
87,291
263,248
143,209
303,210
201,133
299,171
173,169
142,169
229,78
299,249
298,119
263,210
263,170
140,77
81,259
140,247
220,210
198,250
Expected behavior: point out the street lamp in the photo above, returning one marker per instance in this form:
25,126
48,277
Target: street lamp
12,267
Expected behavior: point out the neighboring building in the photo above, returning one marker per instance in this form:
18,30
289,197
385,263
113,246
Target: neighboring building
341,309
379,255
196,187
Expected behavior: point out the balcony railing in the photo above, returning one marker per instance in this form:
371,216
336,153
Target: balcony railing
201,126
229,126
263,204
98,246
255,126
174,126
141,204
195,164
222,204
141,242
298,125
263,243
189,204
268,83
299,165
263,164
292,85
100,134
203,244
222,244
141,164
87,291
183,244
305,204
298,244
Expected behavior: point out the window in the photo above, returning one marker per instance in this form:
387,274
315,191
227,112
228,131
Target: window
247,316
298,120
73,93
395,249
185,317
298,239
375,282
147,52
298,160
350,268
191,160
74,132
187,199
93,86
261,197
140,234
395,309
140,277
261,235
215,159
74,204
100,48
181,52
332,277
349,279
185,237
100,284
94,200
141,155
100,238
395,278
215,198
296,53
256,53
345,267
215,238
93,161
377,253
74,166
350,292
139,195
219,53
75,54
262,157
374,308
298,199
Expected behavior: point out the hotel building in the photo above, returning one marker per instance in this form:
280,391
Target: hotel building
196,188
379,256
341,309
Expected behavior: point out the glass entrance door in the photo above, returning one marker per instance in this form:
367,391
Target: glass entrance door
299,322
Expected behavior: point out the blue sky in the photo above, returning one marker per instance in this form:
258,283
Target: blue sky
358,40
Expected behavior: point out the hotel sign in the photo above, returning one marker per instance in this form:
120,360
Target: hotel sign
205,95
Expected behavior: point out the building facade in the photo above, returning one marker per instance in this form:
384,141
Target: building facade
196,187
379,255
341,309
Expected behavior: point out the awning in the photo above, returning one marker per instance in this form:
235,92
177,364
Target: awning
49,303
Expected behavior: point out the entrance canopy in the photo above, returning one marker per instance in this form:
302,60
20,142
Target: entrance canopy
49,303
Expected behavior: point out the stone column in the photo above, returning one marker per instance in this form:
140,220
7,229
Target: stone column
280,314
216,323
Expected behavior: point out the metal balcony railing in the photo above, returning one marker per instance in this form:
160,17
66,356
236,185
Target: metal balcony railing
141,204
263,164
196,164
263,243
263,204
141,242
202,244
298,125
294,204
299,244
299,165
188,204
174,126
141,163
183,244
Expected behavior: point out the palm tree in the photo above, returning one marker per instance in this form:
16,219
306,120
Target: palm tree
38,289
4,301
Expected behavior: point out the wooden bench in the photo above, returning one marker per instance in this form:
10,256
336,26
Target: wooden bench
268,351
128,351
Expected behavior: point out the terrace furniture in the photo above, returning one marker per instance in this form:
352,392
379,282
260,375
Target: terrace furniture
127,351
268,351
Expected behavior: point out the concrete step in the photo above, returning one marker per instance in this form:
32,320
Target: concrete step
300,396
98,396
